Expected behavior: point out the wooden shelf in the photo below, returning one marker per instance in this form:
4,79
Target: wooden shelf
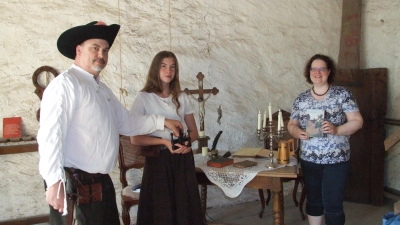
14,149
27,220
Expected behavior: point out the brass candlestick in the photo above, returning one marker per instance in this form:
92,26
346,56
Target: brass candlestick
267,132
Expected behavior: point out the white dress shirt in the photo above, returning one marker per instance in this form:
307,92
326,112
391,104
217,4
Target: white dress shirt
80,123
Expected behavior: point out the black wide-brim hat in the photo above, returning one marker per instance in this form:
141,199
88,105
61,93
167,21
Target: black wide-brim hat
68,40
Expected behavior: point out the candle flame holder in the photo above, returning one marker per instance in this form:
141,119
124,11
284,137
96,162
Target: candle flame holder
268,133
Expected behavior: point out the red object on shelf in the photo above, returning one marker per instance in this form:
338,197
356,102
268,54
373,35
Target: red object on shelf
12,127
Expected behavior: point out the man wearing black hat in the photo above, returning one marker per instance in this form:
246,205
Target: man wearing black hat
80,123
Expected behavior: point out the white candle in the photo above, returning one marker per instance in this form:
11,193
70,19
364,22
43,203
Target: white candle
278,128
269,112
265,119
201,133
259,121
282,124
204,151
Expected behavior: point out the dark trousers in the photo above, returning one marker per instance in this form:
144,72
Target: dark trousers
325,186
104,212
55,217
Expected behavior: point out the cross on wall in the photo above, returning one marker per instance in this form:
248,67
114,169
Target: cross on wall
201,99
202,140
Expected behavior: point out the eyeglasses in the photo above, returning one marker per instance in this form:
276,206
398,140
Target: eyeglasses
320,69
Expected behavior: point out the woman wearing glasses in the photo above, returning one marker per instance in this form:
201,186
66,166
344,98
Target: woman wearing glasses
325,158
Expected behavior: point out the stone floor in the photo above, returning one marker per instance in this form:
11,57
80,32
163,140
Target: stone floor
248,214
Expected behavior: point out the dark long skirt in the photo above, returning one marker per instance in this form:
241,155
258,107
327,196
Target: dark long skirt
169,194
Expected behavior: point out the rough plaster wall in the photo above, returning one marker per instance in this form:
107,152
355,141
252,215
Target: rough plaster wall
21,187
252,51
380,48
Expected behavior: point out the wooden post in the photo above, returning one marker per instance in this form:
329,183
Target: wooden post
349,53
369,87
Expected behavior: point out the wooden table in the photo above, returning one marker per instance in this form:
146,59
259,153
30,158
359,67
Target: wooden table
264,180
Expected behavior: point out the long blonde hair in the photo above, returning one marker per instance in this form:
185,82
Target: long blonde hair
153,81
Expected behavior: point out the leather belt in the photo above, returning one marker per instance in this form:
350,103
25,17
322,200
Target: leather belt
155,147
162,147
83,175
150,151
90,176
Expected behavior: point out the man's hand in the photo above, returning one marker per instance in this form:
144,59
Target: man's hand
51,196
174,126
182,149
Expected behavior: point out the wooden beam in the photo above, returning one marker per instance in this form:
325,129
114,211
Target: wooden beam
27,220
349,52
397,208
14,149
392,139
392,122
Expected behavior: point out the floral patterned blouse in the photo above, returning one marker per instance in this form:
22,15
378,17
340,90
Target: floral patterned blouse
329,149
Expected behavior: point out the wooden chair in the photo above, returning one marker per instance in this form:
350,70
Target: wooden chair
128,159
300,179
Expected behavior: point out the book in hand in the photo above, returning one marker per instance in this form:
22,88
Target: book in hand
219,162
244,164
315,117
12,127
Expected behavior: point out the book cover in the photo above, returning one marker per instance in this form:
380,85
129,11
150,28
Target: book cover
244,164
12,127
246,152
264,153
220,162
315,117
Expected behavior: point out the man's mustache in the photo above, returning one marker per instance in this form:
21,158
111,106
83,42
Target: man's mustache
100,59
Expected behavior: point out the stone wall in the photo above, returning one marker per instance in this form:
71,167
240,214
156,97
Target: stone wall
252,51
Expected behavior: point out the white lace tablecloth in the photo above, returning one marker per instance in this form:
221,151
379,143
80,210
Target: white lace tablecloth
232,179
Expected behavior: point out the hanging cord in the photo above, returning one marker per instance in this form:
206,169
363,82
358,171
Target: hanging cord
122,91
169,24
47,79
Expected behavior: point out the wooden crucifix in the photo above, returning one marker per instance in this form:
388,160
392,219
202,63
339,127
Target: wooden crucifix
201,99
202,138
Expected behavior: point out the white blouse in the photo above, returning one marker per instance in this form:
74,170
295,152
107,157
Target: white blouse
150,103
